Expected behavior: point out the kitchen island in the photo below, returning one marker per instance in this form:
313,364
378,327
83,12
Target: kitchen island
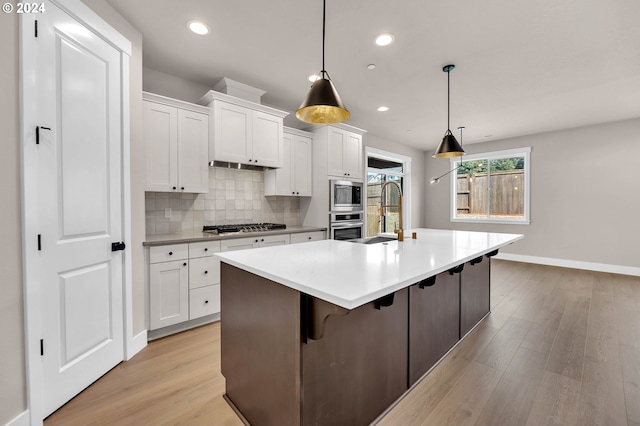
333,332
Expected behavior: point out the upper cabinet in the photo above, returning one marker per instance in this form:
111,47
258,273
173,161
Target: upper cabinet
244,132
294,178
176,136
342,146
345,154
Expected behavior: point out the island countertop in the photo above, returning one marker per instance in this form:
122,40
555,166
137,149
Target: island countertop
349,274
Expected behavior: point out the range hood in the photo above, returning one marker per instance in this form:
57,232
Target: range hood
237,166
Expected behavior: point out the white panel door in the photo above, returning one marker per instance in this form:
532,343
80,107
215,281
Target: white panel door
267,140
231,132
161,147
193,151
80,215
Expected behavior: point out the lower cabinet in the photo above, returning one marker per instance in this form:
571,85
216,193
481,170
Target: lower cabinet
434,321
358,367
474,293
305,237
184,283
169,293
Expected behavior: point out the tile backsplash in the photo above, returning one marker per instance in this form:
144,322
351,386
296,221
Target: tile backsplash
235,196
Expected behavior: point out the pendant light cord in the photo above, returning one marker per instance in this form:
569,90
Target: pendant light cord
448,101
324,17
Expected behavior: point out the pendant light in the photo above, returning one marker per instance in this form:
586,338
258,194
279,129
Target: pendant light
437,179
449,147
322,104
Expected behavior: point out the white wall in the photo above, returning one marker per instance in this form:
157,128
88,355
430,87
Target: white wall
12,367
585,194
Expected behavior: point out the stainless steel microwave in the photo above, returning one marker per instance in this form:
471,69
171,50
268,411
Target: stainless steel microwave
346,196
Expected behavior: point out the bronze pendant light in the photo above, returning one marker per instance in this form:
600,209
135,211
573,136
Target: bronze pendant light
449,147
322,104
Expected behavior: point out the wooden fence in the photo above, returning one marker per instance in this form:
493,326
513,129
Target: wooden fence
507,194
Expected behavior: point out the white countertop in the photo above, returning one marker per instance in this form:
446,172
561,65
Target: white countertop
350,275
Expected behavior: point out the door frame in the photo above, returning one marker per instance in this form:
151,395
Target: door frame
29,200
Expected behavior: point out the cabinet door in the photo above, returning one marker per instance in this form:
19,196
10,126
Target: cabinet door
336,152
353,155
474,294
168,293
283,182
232,132
301,166
160,146
193,151
433,322
267,149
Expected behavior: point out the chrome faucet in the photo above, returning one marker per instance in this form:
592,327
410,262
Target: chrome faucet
399,205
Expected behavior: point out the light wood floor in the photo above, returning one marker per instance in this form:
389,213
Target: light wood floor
561,347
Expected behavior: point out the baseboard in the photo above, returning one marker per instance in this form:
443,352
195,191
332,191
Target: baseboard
21,419
574,264
136,344
183,326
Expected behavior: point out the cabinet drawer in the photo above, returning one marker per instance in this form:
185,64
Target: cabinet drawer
304,237
237,244
203,271
202,249
204,301
168,253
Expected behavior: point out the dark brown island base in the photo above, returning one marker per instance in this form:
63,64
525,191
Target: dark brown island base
293,359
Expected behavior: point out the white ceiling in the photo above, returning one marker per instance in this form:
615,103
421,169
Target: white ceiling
522,67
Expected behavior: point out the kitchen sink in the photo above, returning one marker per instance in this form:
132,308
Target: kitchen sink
373,240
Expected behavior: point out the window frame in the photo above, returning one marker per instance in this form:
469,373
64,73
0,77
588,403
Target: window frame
406,180
489,156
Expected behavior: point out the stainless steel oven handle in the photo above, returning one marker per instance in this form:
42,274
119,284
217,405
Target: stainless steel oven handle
340,225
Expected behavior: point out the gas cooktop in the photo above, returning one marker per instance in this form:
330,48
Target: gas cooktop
244,227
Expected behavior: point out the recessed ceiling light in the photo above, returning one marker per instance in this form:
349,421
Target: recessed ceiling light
384,39
371,66
383,108
198,27
314,77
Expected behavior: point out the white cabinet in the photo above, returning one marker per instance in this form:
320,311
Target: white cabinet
254,242
168,286
344,154
305,237
204,279
244,132
184,283
294,178
176,138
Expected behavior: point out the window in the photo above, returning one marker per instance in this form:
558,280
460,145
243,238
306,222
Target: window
491,187
385,167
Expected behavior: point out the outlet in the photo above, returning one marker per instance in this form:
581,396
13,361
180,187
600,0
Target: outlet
167,213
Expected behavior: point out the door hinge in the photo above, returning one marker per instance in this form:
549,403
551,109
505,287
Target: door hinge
36,29
39,242
41,347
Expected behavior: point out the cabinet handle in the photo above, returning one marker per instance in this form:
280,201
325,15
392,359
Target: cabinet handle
309,237
170,253
206,272
206,249
206,301
184,264
182,188
255,241
262,240
175,187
